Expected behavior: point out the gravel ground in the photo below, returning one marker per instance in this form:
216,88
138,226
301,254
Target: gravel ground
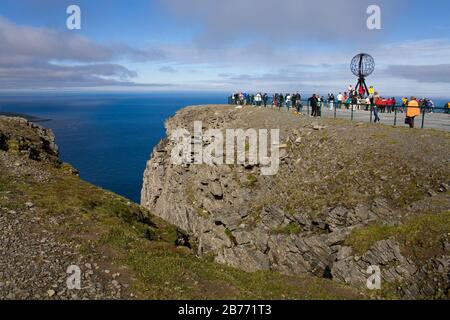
33,259
33,263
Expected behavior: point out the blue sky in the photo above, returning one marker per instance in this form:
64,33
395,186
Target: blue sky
214,45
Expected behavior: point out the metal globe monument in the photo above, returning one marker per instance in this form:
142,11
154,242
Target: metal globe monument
362,66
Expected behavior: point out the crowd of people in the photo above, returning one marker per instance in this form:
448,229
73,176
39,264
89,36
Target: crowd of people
352,99
277,100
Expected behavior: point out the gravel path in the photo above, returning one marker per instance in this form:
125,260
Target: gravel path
439,121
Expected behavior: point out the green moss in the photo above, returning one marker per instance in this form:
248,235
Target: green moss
13,146
230,235
251,180
69,169
363,239
420,236
5,184
291,228
118,238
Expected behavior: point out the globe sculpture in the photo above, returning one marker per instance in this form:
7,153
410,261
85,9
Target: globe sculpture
362,66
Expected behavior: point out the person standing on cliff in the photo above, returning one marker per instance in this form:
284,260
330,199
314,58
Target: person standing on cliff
321,104
288,101
389,105
376,103
350,89
412,112
330,101
265,99
340,99
394,104
299,102
313,103
258,99
280,101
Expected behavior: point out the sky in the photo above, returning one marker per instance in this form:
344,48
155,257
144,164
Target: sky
226,46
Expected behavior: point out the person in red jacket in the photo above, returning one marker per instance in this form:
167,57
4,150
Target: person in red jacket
389,105
394,102
361,91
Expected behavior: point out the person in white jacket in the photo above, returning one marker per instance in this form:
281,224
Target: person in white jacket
258,99
340,99
288,101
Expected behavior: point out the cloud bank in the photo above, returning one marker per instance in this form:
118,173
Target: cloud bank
424,74
33,57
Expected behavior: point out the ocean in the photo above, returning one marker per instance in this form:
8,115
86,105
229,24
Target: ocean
108,137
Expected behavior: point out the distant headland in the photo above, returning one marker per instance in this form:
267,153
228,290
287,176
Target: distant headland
25,116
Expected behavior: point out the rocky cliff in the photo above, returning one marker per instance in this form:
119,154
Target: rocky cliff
51,222
347,196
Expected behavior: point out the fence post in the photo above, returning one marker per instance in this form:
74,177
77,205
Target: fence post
335,107
395,115
371,112
423,118
352,111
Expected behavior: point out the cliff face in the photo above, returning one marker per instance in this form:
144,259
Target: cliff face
346,197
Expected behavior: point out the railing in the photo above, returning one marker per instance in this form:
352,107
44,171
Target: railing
435,117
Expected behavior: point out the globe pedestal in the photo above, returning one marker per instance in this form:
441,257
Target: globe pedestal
362,84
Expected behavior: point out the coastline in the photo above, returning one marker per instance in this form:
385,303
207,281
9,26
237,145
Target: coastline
25,116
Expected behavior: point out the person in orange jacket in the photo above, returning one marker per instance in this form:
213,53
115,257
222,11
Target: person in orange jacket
412,111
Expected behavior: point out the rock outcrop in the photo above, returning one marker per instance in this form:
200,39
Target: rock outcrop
334,178
23,137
